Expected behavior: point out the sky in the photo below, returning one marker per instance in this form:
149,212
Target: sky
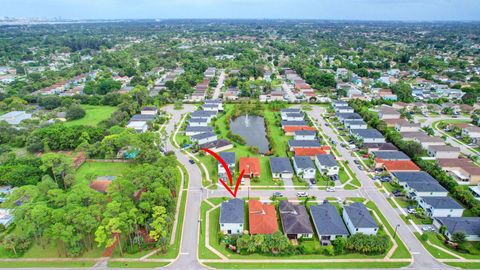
406,10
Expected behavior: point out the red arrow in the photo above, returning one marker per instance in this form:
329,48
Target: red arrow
229,174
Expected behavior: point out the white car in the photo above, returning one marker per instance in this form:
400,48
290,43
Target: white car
330,189
339,200
301,194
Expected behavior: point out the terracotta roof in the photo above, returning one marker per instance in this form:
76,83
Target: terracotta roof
311,152
296,128
250,165
100,185
262,218
397,165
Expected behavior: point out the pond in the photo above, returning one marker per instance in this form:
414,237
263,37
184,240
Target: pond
252,130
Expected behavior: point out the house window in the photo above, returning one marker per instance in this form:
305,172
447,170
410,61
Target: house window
356,229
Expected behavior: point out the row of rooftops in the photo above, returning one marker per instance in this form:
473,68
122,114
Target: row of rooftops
294,217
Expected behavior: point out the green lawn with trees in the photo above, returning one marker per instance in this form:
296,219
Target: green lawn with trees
93,115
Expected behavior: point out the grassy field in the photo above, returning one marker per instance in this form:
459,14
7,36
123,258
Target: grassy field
465,265
101,169
437,253
70,264
340,265
136,264
94,114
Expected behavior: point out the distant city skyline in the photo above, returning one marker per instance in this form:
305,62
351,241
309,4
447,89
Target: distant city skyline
404,10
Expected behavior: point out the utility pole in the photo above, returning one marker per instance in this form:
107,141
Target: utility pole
395,234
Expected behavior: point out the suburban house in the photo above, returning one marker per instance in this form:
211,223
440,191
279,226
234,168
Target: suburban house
293,123
229,158
345,116
210,107
292,144
378,147
410,136
295,220
344,109
358,219
401,105
6,217
15,117
443,151
427,141
218,145
281,168
420,184
390,155
355,124
462,169
198,122
327,164
305,135
304,167
470,226
142,118
407,127
138,126
284,112
396,165
262,218
472,132
232,216
204,137
203,114
311,152
149,111
339,103
290,130
328,223
394,122
385,112
294,116
190,131
441,206
369,135
250,165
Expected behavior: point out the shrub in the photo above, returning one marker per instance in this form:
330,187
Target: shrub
75,112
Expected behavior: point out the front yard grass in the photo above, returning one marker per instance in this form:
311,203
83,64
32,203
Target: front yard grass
330,265
94,115
136,264
437,253
51,264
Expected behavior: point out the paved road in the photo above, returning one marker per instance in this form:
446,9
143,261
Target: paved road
429,122
422,259
217,90
289,91
189,243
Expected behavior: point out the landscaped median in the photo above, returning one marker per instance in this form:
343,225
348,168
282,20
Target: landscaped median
308,254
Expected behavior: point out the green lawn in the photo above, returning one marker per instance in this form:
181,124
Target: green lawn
94,115
339,265
204,253
136,264
437,253
434,239
101,169
58,264
465,265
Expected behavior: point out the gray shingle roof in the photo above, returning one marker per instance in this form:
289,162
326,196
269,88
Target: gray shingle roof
197,120
228,157
203,136
410,177
294,123
327,221
198,129
348,115
291,110
295,219
370,133
381,146
304,143
390,155
303,162
280,164
305,132
142,117
295,114
202,114
359,216
426,186
442,202
467,225
232,211
327,160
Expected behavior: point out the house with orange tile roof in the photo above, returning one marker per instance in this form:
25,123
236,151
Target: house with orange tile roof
262,218
311,152
290,130
251,166
396,165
